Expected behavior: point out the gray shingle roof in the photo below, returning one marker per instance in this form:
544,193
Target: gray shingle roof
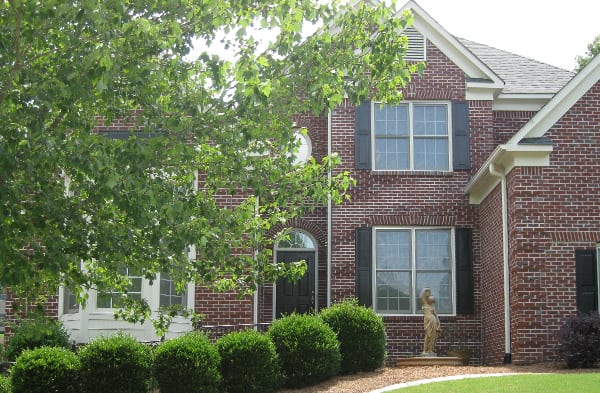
521,75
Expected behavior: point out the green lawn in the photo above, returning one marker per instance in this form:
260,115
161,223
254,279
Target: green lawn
529,383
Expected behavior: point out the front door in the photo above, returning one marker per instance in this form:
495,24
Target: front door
298,296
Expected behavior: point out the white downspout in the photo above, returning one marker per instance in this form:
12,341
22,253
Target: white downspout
506,274
329,212
255,294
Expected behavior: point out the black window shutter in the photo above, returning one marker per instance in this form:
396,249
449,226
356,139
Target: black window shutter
460,136
465,303
586,280
364,263
362,137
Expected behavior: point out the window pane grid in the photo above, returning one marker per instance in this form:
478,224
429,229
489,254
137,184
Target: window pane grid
411,136
428,255
168,292
113,299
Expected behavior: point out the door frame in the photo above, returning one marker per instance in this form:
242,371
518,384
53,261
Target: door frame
314,250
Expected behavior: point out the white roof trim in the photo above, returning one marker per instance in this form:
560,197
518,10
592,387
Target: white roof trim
451,47
505,157
520,102
539,124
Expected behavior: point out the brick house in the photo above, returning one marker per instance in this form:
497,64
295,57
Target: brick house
483,185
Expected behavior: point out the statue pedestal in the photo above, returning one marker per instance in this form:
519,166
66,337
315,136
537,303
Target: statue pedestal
430,361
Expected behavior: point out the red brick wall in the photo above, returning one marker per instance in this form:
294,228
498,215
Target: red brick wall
412,199
507,122
554,211
481,124
492,280
17,309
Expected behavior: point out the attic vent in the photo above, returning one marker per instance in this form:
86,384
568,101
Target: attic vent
416,45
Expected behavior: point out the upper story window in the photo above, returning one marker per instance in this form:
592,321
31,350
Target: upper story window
406,260
412,136
304,149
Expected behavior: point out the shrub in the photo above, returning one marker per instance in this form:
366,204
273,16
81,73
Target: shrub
187,364
5,386
308,349
116,364
45,369
249,362
36,333
580,341
361,334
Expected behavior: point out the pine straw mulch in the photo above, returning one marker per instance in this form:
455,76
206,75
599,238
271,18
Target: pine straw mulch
366,382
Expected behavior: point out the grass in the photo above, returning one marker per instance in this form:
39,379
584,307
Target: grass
529,383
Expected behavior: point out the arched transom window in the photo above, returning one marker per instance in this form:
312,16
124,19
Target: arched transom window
296,240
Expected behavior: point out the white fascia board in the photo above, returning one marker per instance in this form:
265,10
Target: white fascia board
452,48
521,102
480,93
505,158
560,103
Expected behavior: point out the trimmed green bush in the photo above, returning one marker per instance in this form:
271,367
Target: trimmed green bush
188,364
46,369
117,364
308,349
249,362
36,333
580,341
5,386
361,334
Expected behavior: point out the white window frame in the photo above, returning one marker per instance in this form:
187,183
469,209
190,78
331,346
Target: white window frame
411,136
414,294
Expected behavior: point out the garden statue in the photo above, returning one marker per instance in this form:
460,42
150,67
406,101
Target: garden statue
431,322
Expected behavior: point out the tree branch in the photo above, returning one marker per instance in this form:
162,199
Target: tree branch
18,64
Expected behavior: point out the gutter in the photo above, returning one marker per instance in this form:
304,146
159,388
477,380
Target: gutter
494,170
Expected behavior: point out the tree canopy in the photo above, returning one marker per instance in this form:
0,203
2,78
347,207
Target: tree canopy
593,50
78,207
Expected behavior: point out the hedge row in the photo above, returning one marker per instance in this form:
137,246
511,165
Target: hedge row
297,351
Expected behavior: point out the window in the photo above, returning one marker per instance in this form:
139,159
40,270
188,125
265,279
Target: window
304,149
296,239
112,299
412,136
406,261
70,305
168,292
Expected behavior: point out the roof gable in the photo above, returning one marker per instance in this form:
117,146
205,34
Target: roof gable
481,79
560,103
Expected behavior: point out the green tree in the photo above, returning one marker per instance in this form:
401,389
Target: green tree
593,50
67,67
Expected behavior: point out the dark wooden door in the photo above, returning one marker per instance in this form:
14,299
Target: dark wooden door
298,296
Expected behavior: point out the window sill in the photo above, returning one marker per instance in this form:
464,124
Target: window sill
413,173
408,317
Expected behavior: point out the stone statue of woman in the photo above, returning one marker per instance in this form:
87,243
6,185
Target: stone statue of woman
431,322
